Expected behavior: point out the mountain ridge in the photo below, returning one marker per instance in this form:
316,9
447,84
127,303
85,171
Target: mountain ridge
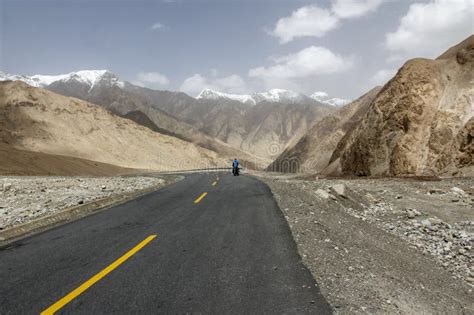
92,77
219,124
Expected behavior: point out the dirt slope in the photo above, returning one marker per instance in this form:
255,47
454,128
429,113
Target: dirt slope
418,124
313,151
38,120
20,163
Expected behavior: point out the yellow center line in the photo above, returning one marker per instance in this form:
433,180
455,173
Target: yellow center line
214,184
86,285
200,197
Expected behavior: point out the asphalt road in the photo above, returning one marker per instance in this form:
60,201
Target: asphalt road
229,252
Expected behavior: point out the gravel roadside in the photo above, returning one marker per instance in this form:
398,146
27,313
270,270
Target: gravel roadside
384,245
25,198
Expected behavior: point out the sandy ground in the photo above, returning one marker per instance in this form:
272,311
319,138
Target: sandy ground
384,245
24,198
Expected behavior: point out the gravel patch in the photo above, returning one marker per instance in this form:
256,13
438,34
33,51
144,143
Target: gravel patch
26,198
384,245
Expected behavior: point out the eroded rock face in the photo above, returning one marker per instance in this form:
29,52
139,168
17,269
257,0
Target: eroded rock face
421,121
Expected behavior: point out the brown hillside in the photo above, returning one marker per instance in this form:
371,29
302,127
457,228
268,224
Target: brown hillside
38,120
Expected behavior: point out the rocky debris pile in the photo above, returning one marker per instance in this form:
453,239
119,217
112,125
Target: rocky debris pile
27,198
450,244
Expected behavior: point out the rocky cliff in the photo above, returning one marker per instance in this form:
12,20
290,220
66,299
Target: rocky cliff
419,124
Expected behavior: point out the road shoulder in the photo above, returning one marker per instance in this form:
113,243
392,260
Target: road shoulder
360,267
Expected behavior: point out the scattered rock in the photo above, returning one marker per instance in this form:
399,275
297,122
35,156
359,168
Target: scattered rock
459,191
7,187
425,223
322,194
340,189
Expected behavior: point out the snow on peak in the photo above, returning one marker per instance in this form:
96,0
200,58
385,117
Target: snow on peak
273,95
324,98
209,94
319,95
88,77
14,77
279,95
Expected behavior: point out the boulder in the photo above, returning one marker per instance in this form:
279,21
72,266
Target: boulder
340,190
7,187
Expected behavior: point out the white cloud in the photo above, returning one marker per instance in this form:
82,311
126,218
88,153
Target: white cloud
230,84
354,8
157,26
152,80
314,21
382,76
306,21
311,61
428,29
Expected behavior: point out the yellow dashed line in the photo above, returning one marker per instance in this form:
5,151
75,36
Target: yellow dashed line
200,197
86,285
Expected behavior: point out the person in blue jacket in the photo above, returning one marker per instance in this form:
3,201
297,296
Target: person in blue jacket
235,167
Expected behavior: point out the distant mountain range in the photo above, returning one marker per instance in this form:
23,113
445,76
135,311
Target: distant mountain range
90,78
254,127
85,77
274,96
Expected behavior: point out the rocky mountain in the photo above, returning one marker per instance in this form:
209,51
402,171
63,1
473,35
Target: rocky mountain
312,153
420,123
38,120
254,127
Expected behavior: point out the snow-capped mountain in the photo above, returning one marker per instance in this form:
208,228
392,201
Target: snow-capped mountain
274,96
279,96
90,78
324,98
208,94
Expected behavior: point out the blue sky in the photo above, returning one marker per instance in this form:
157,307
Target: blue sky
342,47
